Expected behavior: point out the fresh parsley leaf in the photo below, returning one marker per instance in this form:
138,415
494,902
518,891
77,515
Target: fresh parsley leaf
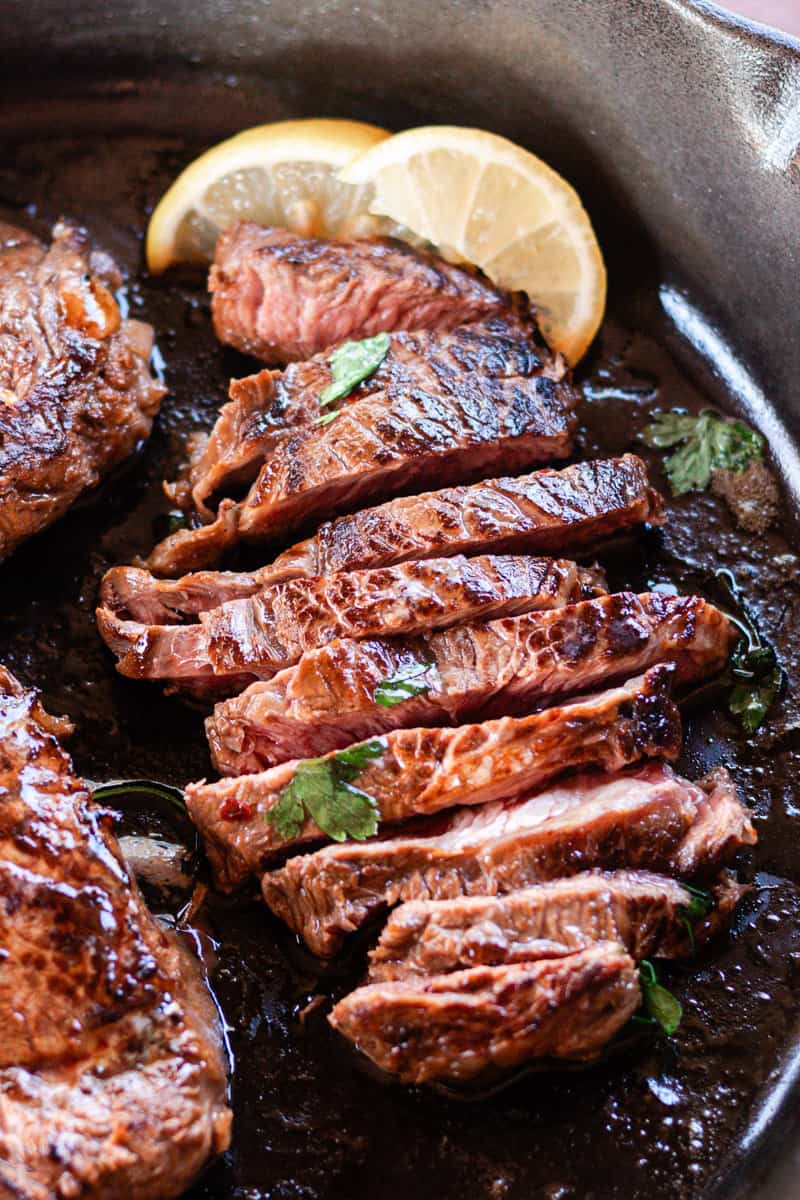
659,1003
751,702
352,363
409,682
326,418
320,789
706,443
700,905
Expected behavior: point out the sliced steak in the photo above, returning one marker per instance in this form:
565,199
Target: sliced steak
431,384
76,393
332,696
255,637
282,297
456,1027
426,770
546,512
112,1075
646,817
645,913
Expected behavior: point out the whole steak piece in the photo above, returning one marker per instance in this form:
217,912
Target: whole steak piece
282,297
112,1076
76,392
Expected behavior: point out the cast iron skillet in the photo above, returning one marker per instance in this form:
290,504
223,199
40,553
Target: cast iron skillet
681,129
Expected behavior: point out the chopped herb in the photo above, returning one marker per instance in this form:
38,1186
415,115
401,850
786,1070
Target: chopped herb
175,520
700,905
659,1003
118,788
352,363
707,443
321,790
409,682
326,418
754,666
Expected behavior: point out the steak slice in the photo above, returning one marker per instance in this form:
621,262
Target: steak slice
546,512
253,638
426,770
646,817
332,696
433,381
643,912
76,393
112,1075
456,1027
282,297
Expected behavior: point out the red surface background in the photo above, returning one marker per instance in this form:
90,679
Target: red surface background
783,14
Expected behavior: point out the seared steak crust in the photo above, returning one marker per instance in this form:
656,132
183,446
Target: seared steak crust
645,913
642,818
255,637
112,1078
546,512
454,1027
543,513
430,383
76,393
327,700
426,770
281,297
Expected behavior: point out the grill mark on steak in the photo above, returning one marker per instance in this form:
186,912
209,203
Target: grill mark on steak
545,512
253,638
327,699
76,393
456,1027
111,1069
422,771
645,913
282,297
645,818
498,362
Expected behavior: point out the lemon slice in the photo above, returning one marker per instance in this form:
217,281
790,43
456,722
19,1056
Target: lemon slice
281,174
478,197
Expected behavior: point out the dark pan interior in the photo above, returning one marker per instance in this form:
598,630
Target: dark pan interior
99,140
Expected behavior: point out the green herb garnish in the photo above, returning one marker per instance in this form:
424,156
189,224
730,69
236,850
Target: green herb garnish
409,682
321,789
119,788
352,363
700,905
659,1003
326,418
754,666
707,443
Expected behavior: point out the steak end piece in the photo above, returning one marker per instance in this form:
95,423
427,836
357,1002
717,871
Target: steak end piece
282,297
76,392
114,1084
456,1027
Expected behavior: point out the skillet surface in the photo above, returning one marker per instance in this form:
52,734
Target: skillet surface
661,1120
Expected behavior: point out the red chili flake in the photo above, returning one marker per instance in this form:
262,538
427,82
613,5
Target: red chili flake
234,809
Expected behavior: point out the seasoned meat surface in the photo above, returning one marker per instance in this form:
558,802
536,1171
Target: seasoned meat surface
430,383
645,913
426,770
112,1076
455,1027
645,817
76,393
546,512
262,634
328,699
282,297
